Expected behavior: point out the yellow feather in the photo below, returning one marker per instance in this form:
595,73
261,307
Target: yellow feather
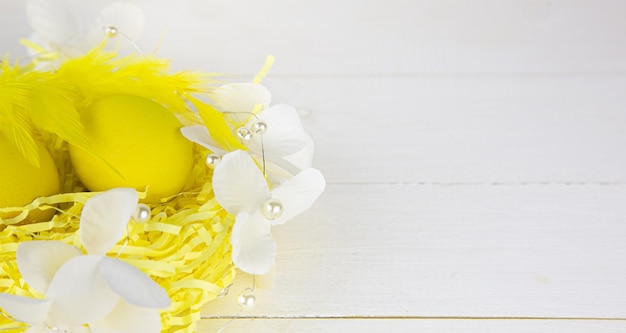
15,123
216,124
51,101
99,73
33,102
15,126
52,110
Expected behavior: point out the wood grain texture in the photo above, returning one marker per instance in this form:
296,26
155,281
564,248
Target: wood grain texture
448,251
395,36
487,129
392,37
474,151
398,325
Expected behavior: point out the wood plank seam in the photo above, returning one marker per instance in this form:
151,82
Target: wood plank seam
412,318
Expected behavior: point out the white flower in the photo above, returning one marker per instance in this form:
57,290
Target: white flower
88,292
287,148
62,28
240,188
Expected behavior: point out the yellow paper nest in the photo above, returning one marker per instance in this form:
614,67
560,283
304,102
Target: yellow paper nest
184,247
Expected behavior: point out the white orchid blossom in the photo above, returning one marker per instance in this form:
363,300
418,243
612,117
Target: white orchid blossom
241,188
283,145
60,27
92,292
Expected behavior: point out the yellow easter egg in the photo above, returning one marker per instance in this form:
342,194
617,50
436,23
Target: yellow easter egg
141,140
22,182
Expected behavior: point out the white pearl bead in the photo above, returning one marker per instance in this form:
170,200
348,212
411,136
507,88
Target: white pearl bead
244,134
259,127
247,298
142,213
110,31
212,160
272,209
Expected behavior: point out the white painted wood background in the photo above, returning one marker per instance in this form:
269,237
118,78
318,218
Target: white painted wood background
475,153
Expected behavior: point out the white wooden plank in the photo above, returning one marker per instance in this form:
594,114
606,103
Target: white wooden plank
463,129
447,251
398,36
376,36
397,325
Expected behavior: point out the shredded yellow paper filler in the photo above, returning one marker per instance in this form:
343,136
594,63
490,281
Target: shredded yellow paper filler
185,247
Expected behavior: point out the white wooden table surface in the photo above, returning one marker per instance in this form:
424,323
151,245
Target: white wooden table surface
475,153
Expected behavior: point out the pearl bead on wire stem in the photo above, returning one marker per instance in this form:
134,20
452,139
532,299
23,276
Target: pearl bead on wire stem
142,213
111,31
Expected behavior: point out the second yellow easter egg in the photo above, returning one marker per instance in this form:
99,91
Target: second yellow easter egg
141,142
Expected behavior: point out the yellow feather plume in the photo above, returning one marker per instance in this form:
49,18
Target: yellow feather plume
15,105
216,124
32,102
99,73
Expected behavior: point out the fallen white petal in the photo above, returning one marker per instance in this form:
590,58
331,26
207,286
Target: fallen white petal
133,285
38,261
254,249
284,135
298,193
79,292
104,219
200,135
126,318
25,309
240,97
238,183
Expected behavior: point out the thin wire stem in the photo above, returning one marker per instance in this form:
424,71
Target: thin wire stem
126,241
132,42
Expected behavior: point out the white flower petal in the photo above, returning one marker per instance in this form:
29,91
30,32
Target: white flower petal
38,261
303,159
79,293
254,249
25,309
238,183
78,329
200,135
105,217
278,171
127,17
126,318
240,97
69,329
133,285
284,135
52,20
299,193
